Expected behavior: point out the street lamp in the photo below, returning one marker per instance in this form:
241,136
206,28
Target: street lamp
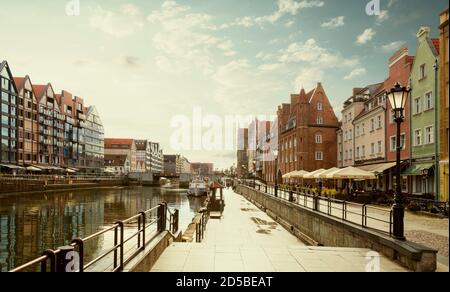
397,98
275,154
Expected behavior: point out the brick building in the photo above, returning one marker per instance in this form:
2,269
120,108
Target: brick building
307,132
242,156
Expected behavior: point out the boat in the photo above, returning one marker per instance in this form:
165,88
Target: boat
198,187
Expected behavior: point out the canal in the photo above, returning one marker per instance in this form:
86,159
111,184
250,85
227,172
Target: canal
32,223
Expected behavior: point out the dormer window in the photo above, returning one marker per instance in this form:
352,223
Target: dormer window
319,106
319,120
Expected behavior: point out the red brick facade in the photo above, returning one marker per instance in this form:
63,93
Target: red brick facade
400,65
307,132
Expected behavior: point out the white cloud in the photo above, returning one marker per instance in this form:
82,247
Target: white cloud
311,52
394,46
184,39
366,36
118,24
285,7
289,23
334,22
308,78
384,15
355,73
263,56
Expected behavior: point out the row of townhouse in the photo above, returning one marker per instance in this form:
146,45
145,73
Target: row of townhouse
46,130
367,136
123,156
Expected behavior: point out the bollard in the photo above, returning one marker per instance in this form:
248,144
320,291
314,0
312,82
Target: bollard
66,259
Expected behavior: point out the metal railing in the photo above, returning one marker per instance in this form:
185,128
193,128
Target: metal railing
367,216
200,225
60,260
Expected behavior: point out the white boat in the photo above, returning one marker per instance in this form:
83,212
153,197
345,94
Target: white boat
198,187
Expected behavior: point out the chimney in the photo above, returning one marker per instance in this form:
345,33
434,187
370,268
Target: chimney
424,32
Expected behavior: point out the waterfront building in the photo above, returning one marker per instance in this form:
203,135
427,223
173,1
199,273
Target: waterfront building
264,128
170,164
185,165
271,146
353,107
252,145
72,108
51,127
117,164
443,105
122,147
155,157
93,135
141,155
422,171
202,168
242,154
8,116
27,122
307,133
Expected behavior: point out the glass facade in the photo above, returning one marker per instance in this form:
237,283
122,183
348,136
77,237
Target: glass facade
8,115
93,135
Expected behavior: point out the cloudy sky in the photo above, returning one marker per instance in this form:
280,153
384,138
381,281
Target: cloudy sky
142,63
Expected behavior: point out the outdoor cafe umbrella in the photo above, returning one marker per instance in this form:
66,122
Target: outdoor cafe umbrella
32,168
299,174
311,174
354,174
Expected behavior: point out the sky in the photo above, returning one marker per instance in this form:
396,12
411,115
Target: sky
149,65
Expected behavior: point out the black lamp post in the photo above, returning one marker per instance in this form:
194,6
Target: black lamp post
397,98
275,154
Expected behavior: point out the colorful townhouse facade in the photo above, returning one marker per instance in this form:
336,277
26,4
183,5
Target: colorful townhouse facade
444,107
117,147
423,171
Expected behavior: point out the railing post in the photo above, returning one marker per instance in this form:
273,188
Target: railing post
121,225
291,196
344,210
315,202
52,257
176,215
64,258
363,214
266,189
80,243
143,216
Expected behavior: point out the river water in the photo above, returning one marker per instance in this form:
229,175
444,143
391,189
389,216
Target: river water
32,223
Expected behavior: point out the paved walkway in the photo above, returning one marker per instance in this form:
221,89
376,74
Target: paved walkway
247,240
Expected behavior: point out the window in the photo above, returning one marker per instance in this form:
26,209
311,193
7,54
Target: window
372,125
357,131
345,136
429,135
418,137
422,72
351,154
357,152
346,154
393,143
318,139
340,155
319,106
319,155
372,148
350,135
346,118
416,106
380,147
295,142
319,120
428,101
350,117
379,122
363,129
363,151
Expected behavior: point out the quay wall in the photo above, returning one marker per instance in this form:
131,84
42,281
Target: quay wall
320,229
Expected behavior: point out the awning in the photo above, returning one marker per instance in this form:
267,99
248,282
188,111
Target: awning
288,175
378,168
299,174
417,169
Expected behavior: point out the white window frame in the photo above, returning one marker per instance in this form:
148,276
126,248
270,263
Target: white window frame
319,106
319,156
431,134
380,147
417,106
418,131
422,71
428,97
319,120
319,139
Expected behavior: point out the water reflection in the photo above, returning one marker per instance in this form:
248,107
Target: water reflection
31,223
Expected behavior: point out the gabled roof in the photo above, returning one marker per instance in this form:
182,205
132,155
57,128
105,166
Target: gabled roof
436,44
20,82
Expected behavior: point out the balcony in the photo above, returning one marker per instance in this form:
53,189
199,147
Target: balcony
81,116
